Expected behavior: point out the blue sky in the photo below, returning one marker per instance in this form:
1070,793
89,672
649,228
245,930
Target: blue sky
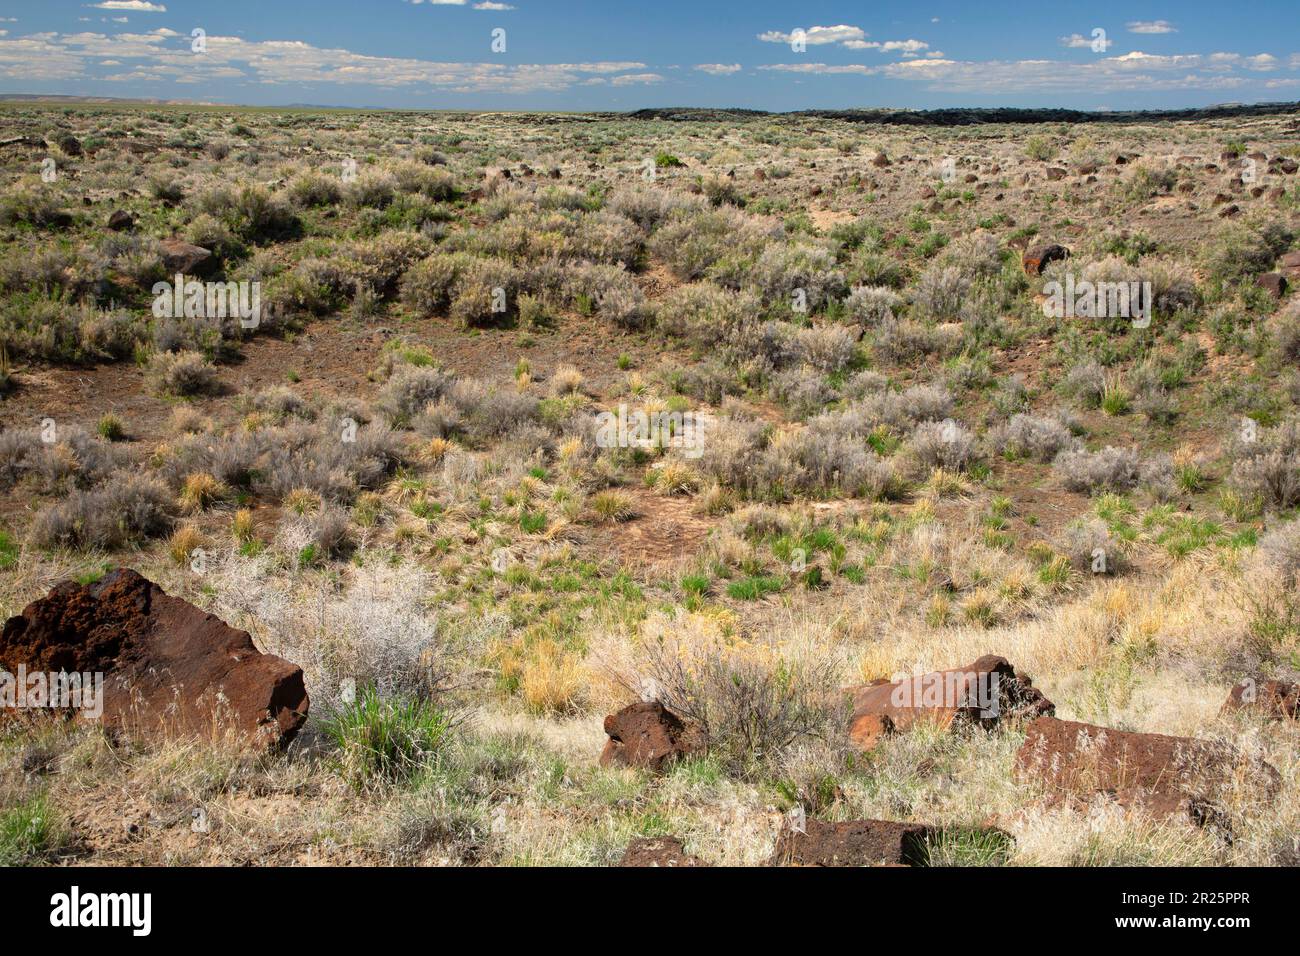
579,55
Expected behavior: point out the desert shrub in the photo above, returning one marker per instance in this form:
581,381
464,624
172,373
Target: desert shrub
182,373
1267,470
126,510
372,189
690,244
314,189
61,331
215,235
872,305
1246,251
826,458
908,342
827,348
1110,469
603,237
734,454
703,312
781,270
625,305
33,207
74,459
1084,383
251,212
1092,548
427,285
947,444
647,206
1286,331
802,390
432,182
279,402
486,291
384,741
410,390
975,255
378,264
334,463
870,267
750,702
1279,549
1032,436
940,292
489,412
1147,182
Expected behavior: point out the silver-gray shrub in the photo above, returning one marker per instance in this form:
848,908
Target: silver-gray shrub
1110,469
1268,468
1039,437
872,305
948,444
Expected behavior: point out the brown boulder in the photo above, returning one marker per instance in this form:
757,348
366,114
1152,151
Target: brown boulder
880,161
866,731
1037,258
1274,698
168,667
1055,173
1290,265
647,735
858,843
121,221
185,258
984,692
658,851
1274,283
1163,775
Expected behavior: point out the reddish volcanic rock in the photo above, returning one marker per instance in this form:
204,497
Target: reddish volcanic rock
647,735
985,692
658,851
1273,698
1161,774
168,667
1037,258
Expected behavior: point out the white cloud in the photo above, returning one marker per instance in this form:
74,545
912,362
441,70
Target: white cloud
1077,41
816,36
1132,72
1150,26
56,56
1261,63
718,69
631,79
823,69
889,46
492,5
137,6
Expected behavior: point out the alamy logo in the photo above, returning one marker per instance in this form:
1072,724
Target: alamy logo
642,429
1099,300
193,299
957,690
73,909
40,690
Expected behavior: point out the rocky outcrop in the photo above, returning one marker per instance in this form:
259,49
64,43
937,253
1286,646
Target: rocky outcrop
865,843
647,735
1038,257
168,667
658,851
1273,699
986,692
1162,775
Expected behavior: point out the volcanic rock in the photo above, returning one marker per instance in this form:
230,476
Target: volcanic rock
168,667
